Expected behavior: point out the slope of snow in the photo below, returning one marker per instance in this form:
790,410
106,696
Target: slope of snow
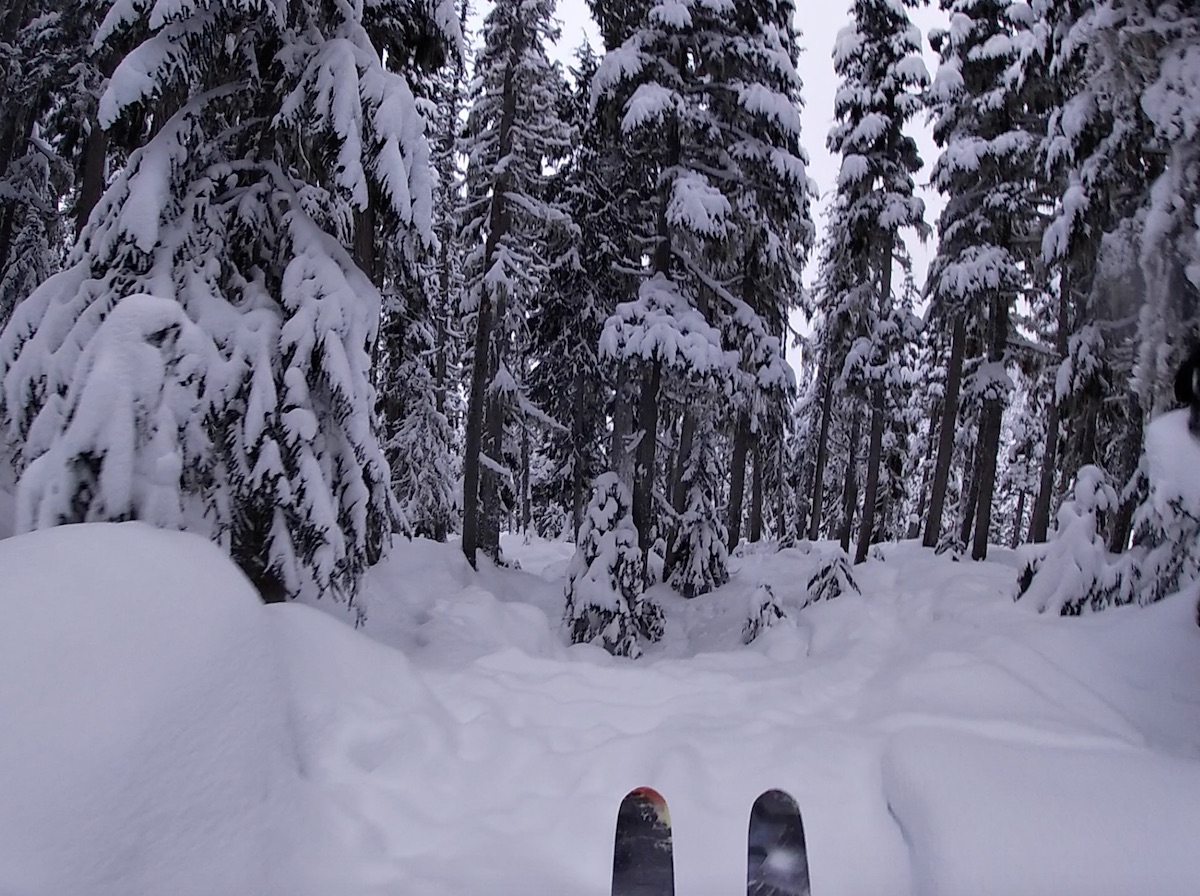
144,747
940,738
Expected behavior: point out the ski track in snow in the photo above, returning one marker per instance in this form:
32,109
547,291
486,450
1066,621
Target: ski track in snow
505,771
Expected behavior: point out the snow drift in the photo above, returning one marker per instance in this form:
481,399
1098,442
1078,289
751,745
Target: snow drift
145,747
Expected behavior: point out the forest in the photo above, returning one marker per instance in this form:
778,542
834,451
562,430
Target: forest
311,277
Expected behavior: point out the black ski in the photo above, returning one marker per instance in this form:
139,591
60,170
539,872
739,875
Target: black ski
776,857
642,858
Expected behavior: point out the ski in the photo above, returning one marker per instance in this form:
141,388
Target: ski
776,857
642,857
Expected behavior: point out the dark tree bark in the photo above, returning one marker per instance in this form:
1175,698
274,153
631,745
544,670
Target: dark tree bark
990,426
818,485
850,484
875,451
756,491
482,371
945,454
579,458
737,479
1020,518
1039,523
643,482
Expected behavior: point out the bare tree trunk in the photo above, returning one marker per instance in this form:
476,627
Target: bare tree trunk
495,414
620,457
526,509
578,465
687,435
850,484
818,493
875,452
737,478
990,426
756,491
941,470
1020,517
643,491
968,500
1039,524
482,371
91,186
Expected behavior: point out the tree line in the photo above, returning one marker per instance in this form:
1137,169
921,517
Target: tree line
304,276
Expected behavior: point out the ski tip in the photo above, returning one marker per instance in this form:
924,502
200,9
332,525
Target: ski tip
774,800
650,796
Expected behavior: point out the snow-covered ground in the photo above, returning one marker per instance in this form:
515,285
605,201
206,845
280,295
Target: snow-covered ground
165,733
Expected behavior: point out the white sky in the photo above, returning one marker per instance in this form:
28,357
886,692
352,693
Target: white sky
819,23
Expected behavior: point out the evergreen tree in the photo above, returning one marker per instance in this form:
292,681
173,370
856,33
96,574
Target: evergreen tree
878,58
273,131
986,172
702,562
513,131
707,101
605,600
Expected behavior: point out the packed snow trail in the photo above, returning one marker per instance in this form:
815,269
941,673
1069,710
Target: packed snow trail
509,775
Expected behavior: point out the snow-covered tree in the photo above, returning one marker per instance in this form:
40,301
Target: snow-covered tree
513,132
986,172
700,559
272,131
706,98
1072,572
605,598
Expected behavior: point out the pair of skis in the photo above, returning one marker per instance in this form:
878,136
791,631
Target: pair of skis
776,859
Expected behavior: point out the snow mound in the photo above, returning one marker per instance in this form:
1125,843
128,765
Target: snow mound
1006,819
145,745
1173,459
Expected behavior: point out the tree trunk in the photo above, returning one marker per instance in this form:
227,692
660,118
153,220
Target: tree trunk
1039,524
990,426
850,484
941,471
867,526
481,370
578,464
968,500
687,435
737,478
643,492
818,493
756,492
1016,533
620,457
91,186
492,480
526,509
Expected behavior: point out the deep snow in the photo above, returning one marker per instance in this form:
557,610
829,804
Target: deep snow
940,738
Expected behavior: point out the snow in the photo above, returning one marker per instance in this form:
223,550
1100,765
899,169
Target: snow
1172,458
144,747
939,737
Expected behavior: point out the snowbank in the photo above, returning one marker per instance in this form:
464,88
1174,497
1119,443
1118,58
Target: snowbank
145,746
1006,819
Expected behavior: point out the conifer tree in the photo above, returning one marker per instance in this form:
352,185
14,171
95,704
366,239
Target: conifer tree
986,172
513,131
707,101
273,132
882,75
